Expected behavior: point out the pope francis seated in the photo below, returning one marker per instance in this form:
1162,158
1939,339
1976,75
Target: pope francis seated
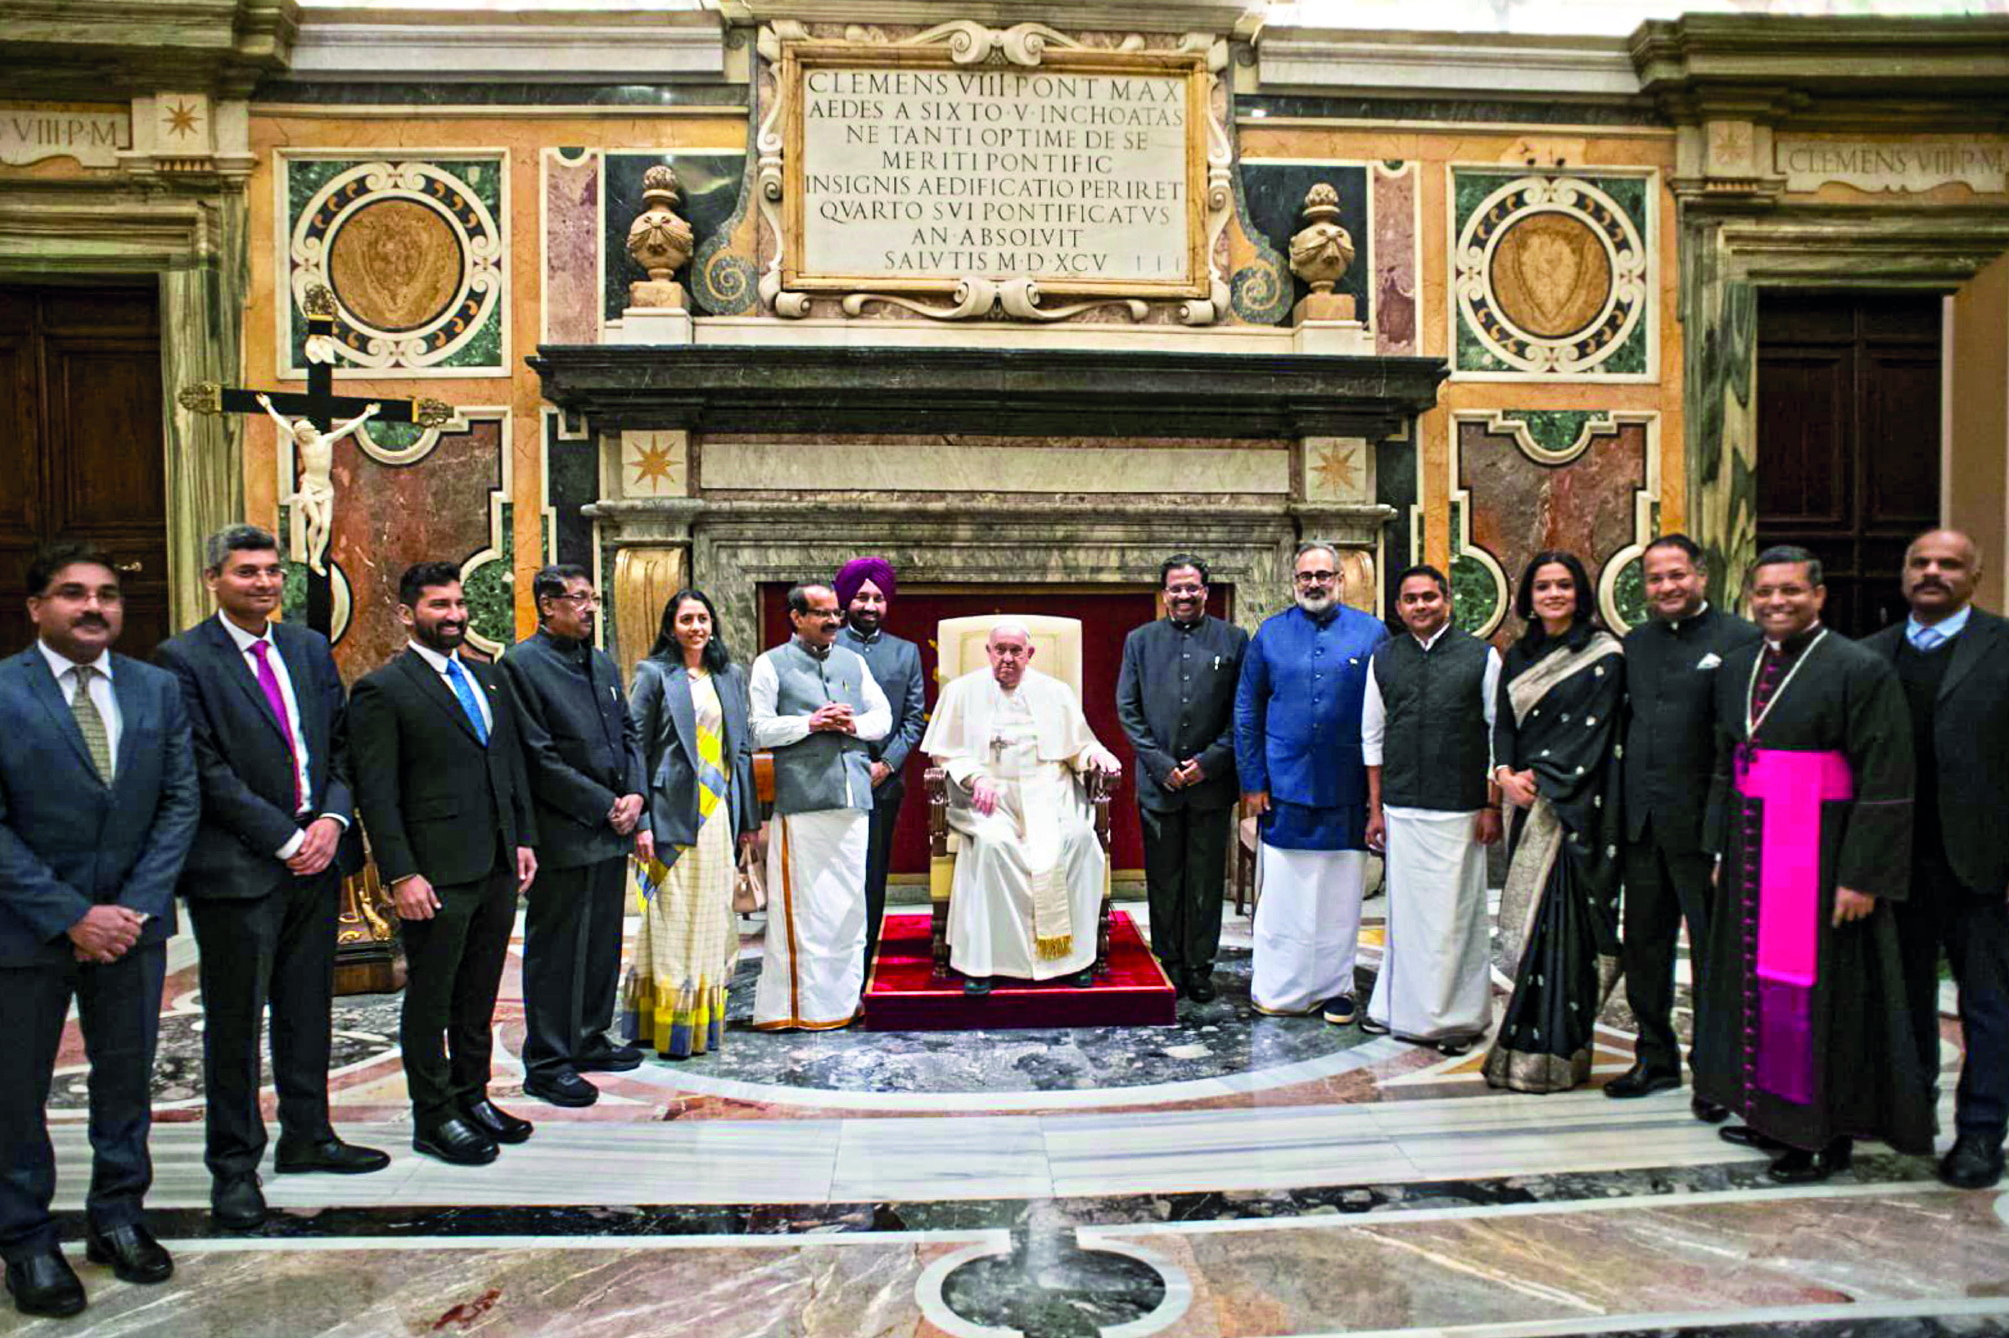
1029,878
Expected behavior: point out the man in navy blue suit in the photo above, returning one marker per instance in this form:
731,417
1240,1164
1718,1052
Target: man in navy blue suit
98,805
263,882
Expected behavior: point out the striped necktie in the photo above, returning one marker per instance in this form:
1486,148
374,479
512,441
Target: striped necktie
90,724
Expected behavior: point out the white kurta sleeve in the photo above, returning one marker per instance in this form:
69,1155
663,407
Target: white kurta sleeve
763,691
1374,722
877,722
1489,690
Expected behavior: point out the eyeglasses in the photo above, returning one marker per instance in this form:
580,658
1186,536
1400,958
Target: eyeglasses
1316,577
581,599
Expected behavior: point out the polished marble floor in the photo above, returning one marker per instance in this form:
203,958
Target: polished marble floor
1233,1175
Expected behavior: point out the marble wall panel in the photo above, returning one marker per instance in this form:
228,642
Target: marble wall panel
1049,467
1397,264
449,504
572,243
1532,480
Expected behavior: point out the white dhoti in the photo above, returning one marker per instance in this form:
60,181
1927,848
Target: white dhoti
1436,979
1307,926
814,962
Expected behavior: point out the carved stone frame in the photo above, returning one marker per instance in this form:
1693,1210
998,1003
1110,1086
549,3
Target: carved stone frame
193,243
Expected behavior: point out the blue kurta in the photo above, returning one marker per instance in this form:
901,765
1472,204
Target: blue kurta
1297,726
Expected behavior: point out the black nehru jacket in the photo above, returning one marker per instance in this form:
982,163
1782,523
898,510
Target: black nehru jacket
1670,739
1176,699
1433,755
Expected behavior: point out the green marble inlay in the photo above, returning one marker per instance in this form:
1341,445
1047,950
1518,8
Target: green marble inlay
1630,359
1474,356
491,596
293,589
305,177
484,349
1475,597
1629,194
1472,187
1628,593
482,177
392,438
1558,430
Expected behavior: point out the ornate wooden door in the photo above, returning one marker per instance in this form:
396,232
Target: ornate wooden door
80,445
1849,439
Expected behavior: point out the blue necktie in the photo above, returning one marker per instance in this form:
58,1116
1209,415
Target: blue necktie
1928,638
465,691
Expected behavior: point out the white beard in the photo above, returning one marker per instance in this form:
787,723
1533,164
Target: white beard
1316,604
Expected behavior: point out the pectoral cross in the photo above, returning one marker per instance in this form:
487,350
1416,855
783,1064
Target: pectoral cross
317,409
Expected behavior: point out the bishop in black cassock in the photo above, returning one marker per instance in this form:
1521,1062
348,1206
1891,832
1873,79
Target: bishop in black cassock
1805,1029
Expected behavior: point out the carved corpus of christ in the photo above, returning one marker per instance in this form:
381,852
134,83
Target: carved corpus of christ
314,451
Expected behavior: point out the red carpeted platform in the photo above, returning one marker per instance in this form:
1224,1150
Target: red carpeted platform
904,996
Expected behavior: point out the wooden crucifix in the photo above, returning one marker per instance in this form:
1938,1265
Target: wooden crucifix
365,930
310,419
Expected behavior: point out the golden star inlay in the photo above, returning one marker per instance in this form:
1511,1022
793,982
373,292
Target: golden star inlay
654,465
1337,469
181,119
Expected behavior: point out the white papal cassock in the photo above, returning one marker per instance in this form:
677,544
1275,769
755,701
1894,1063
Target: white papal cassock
1029,877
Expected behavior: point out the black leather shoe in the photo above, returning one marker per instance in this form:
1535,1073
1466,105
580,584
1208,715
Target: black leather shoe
1637,1081
609,1059
45,1284
1200,987
497,1123
1744,1136
1811,1168
133,1253
237,1204
455,1142
1708,1111
562,1089
1085,978
976,986
331,1154
1975,1162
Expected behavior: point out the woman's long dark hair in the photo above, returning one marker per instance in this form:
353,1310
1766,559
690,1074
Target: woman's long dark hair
1524,597
716,657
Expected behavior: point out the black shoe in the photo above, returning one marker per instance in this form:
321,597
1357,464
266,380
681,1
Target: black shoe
562,1089
133,1253
1085,978
1200,986
1340,1010
606,1058
45,1284
1640,1081
237,1204
1744,1136
455,1142
331,1155
976,986
1796,1167
1372,1028
1708,1111
1181,982
1975,1162
497,1123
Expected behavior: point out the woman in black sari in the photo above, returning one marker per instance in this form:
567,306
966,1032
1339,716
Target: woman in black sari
1554,737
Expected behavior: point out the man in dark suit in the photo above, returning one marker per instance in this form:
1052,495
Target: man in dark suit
1953,662
1670,751
865,588
1175,698
584,761
263,881
98,804
441,788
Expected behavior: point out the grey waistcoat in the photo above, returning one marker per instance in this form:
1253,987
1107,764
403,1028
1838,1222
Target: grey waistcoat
827,770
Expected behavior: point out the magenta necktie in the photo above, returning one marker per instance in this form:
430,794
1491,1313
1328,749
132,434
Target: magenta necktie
277,700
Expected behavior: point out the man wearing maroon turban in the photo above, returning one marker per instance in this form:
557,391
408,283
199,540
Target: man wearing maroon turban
865,592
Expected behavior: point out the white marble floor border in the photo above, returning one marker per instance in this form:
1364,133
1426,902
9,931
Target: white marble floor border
1853,1311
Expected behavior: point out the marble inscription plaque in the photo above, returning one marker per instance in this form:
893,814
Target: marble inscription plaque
93,138
1911,165
1078,179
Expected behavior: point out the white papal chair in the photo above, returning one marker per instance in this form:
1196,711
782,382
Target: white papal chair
960,645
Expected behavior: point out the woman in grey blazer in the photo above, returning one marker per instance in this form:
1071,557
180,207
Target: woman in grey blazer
689,702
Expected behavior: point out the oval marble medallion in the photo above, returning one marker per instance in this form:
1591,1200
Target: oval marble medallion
396,264
1551,274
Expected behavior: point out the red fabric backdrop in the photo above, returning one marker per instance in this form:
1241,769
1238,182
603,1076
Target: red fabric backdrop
1106,618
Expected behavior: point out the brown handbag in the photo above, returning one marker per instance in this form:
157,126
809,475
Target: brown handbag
749,888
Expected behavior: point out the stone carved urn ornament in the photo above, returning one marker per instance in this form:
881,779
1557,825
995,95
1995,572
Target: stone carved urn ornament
659,242
1321,253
